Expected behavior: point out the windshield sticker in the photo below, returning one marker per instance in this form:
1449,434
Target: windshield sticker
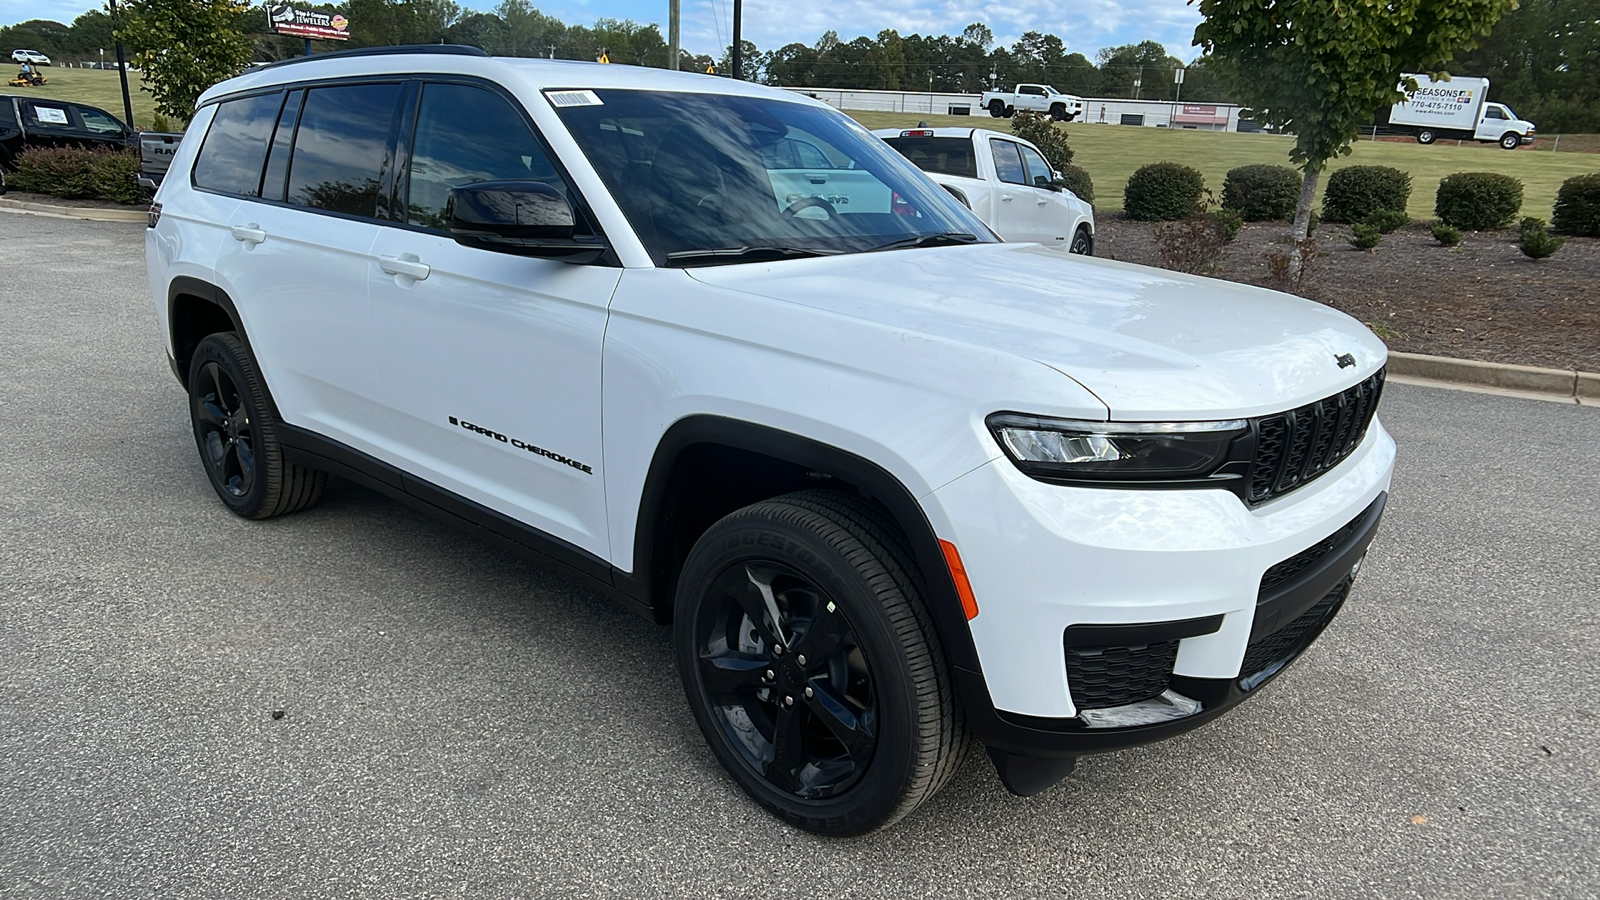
50,114
565,99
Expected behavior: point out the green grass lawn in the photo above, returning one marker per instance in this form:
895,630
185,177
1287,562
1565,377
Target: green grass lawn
1112,152
96,87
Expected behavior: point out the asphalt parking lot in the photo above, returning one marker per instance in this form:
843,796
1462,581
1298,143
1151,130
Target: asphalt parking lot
458,723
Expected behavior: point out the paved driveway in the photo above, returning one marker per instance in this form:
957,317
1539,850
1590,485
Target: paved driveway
457,723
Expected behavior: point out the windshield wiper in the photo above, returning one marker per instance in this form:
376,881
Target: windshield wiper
943,239
740,254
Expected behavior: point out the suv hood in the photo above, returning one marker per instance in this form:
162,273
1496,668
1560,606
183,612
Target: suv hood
1149,343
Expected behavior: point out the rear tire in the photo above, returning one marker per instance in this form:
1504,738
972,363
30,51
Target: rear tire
997,108
811,666
1426,136
238,438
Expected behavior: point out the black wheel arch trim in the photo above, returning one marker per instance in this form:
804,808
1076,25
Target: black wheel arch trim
187,286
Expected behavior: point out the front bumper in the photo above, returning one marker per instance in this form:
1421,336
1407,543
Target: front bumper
1084,591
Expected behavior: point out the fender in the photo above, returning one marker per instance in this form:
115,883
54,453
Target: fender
944,605
186,286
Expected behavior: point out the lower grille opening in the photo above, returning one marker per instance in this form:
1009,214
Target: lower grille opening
1268,653
1103,677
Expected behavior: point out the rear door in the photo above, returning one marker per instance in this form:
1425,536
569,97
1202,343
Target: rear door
489,362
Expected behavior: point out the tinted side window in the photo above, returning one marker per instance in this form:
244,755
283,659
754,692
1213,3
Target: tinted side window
230,159
342,147
99,122
1007,163
46,116
1039,172
466,135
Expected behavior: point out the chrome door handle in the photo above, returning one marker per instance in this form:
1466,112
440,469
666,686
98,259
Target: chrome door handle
405,264
249,234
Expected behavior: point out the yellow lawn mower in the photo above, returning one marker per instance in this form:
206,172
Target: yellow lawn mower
28,79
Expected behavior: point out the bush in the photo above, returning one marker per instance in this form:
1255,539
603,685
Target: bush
1229,220
1537,242
1039,130
1291,268
1447,235
1387,220
1163,192
1478,200
1578,206
1076,179
1193,244
1262,193
76,173
1356,192
1364,236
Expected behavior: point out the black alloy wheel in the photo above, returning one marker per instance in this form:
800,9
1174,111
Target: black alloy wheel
810,665
237,436
1082,242
997,108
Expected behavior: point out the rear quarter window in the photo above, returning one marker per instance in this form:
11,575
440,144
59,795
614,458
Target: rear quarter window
230,159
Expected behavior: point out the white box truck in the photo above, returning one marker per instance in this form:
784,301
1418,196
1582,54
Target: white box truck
1457,109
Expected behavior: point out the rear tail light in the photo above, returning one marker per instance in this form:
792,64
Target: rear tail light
921,132
155,215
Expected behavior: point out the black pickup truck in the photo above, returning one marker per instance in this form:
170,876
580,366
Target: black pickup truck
28,122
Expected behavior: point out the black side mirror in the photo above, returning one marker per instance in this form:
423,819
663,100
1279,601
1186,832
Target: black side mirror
1049,184
528,218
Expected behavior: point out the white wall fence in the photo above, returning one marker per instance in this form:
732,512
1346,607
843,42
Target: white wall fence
1148,113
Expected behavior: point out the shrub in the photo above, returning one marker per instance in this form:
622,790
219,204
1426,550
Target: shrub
76,173
1163,191
1537,242
1478,200
1356,192
1193,244
1039,130
1387,220
1076,179
1447,235
1262,193
1578,206
1229,220
1364,236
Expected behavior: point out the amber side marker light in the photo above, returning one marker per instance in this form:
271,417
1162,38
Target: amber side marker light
952,558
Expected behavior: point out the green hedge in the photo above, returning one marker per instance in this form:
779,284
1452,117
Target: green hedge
1163,192
76,173
1478,201
1578,206
1356,192
1262,193
1077,180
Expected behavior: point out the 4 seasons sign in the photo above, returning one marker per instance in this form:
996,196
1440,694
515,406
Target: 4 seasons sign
286,19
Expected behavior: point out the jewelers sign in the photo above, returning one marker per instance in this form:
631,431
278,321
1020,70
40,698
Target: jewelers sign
286,19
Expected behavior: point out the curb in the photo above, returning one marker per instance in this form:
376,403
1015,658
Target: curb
75,212
1567,384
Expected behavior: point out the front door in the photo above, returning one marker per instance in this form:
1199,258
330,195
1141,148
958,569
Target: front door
490,362
1019,215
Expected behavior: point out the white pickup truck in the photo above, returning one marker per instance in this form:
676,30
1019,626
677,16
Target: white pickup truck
1040,98
1004,179
1455,109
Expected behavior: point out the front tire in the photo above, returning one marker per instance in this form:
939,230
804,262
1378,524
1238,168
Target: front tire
1426,137
812,667
1510,140
237,436
1058,113
1082,242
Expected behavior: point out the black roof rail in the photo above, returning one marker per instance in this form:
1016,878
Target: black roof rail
400,50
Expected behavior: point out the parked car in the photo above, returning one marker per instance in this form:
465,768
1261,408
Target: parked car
891,480
1041,98
27,122
1458,109
1002,178
156,149
30,56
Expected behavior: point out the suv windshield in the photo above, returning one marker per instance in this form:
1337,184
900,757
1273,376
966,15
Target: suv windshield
707,179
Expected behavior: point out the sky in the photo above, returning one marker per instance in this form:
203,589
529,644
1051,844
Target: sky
1085,26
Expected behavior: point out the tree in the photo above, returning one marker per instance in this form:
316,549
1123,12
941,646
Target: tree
1146,62
1320,68
185,47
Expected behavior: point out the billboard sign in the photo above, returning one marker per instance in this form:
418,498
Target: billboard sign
285,18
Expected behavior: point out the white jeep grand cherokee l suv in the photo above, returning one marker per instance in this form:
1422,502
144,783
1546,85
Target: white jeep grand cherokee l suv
893,482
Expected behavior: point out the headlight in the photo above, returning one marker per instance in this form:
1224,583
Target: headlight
1133,453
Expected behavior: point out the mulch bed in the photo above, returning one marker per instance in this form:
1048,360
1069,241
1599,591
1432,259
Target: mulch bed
1483,300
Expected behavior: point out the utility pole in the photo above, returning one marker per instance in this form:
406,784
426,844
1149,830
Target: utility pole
122,66
738,51
673,13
